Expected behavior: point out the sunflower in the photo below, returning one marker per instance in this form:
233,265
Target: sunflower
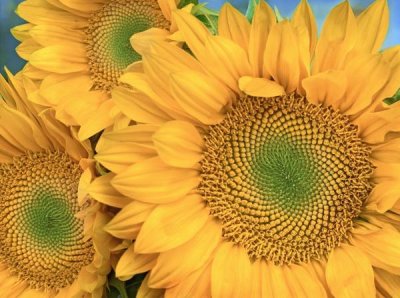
265,162
78,50
52,242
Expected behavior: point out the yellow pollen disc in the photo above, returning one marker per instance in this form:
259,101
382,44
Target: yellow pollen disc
41,240
286,178
108,37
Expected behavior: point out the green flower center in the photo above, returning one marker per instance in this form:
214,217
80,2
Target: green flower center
286,173
286,178
109,33
41,239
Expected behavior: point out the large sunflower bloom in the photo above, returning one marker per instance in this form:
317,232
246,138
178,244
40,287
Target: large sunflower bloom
52,242
78,49
266,164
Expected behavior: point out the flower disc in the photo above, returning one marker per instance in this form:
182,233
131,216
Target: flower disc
41,239
109,32
285,177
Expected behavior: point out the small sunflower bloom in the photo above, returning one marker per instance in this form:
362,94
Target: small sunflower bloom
52,242
77,50
265,162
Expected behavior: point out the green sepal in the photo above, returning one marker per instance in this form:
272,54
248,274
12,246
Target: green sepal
278,15
124,289
251,8
393,99
116,288
183,3
207,16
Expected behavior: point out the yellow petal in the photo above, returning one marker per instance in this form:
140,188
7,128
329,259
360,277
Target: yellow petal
138,107
387,152
41,12
171,225
144,84
349,273
263,20
48,34
167,6
83,5
374,127
132,263
200,96
146,292
226,61
26,48
281,61
390,283
126,222
384,195
193,31
20,131
102,119
102,191
153,181
175,265
141,41
234,25
361,69
64,58
303,17
231,278
302,283
338,37
326,87
373,24
21,32
382,248
197,284
260,87
117,150
179,144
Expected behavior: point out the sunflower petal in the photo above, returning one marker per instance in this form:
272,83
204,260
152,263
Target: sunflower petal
179,144
382,248
263,20
132,263
234,25
373,24
281,61
102,191
200,96
354,279
231,279
260,87
326,87
338,37
171,225
176,264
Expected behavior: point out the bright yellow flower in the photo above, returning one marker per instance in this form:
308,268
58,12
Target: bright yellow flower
78,49
266,164
52,242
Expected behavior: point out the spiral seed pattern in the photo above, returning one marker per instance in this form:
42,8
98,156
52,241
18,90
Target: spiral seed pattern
285,177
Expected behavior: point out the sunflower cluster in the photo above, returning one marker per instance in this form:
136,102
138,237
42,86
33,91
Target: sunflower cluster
156,148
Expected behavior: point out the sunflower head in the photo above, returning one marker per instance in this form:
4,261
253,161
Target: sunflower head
50,228
78,51
267,146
